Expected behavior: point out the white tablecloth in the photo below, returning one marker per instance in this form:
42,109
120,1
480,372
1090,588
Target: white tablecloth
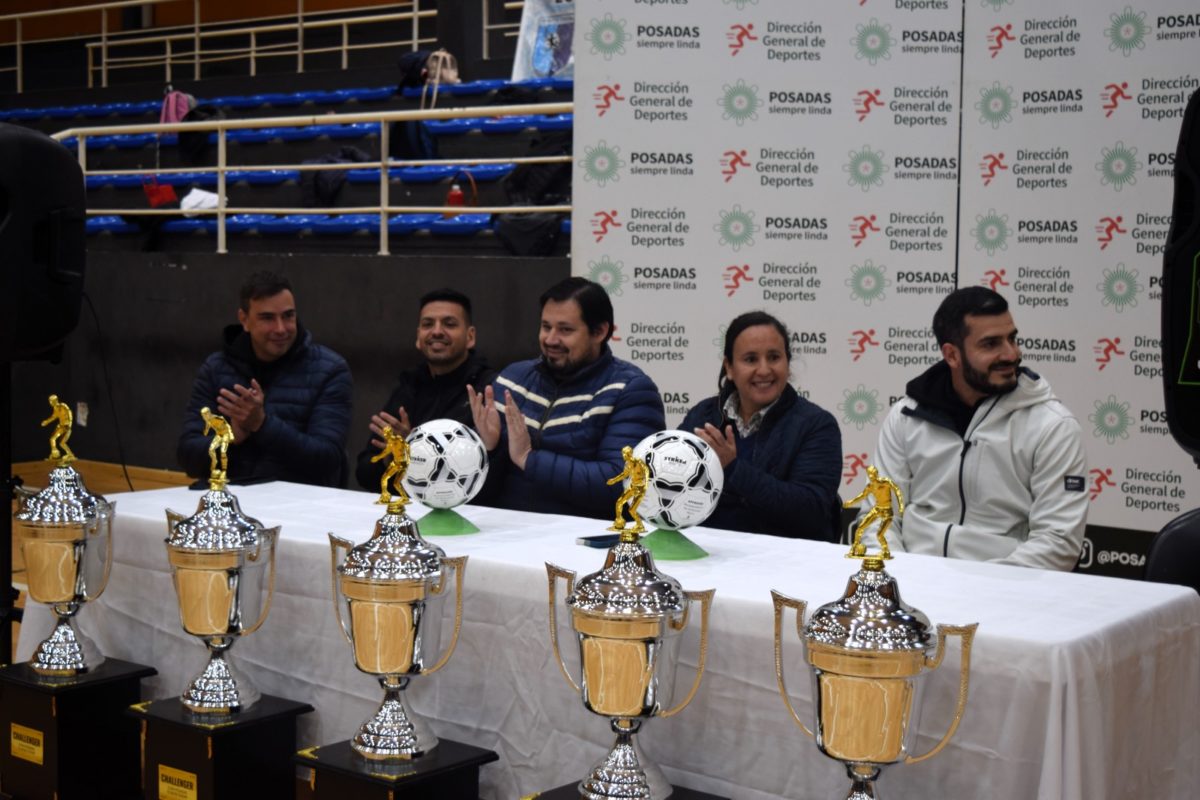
1081,686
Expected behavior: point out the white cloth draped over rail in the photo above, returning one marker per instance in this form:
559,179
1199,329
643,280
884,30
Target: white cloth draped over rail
1081,686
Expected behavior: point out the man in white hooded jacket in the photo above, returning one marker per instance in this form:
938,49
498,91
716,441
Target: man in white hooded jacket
991,464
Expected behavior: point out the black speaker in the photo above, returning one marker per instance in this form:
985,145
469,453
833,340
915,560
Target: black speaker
42,243
1181,290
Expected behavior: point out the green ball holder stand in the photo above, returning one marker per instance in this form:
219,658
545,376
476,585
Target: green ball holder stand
669,545
445,522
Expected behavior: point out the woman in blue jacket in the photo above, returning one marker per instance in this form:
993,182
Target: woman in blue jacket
782,455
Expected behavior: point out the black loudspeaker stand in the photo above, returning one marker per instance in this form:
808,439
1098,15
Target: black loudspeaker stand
449,772
242,756
69,738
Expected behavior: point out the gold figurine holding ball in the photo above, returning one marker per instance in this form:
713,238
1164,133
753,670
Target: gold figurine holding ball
639,477
397,447
879,489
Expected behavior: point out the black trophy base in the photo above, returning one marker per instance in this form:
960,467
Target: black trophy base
69,738
218,756
449,772
571,792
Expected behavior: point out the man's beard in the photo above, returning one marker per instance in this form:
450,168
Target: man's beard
978,379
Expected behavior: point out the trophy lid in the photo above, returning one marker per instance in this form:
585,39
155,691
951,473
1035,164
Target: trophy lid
395,552
628,586
218,524
870,616
64,501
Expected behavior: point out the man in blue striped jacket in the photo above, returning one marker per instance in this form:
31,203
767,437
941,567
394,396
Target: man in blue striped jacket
554,426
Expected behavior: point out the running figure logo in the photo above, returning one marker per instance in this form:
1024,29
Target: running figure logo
860,227
738,35
730,161
1100,479
995,277
854,462
602,221
604,97
1108,228
735,276
859,341
865,101
997,36
991,164
1112,96
1105,349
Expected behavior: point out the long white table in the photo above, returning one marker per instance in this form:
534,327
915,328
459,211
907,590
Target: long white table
1081,686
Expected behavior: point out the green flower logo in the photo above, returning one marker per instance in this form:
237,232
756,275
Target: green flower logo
865,168
736,228
1119,287
739,102
1111,419
608,37
995,5
859,406
991,232
1118,166
868,282
608,274
1127,31
602,163
995,104
872,41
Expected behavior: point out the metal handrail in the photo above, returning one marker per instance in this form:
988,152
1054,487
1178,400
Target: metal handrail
383,117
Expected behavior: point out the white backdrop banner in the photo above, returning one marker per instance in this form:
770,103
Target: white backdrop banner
806,159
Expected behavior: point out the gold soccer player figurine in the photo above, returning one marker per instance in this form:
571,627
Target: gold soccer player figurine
396,447
222,436
60,414
879,489
639,475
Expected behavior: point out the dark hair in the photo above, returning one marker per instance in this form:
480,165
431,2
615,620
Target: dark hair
741,322
260,285
593,301
447,296
949,321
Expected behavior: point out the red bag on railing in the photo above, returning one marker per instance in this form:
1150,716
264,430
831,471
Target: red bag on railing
159,194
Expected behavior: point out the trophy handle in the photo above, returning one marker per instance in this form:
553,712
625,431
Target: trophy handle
459,565
104,520
271,538
966,633
705,599
553,573
781,602
338,545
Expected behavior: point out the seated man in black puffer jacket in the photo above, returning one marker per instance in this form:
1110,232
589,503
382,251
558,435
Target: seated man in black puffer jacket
288,400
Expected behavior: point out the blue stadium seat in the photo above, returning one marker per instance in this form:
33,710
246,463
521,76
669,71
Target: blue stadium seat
250,135
272,177
24,114
302,133
93,110
109,224
506,124
453,127
127,181
566,226
110,108
290,224
59,112
563,84
243,101
189,178
363,175
554,122
245,223
282,99
131,141
535,83
475,87
371,94
100,142
354,130
347,223
168,139
431,173
483,173
97,181
409,223
190,225
71,142
461,225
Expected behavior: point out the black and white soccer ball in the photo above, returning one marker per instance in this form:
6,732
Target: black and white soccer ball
447,464
685,479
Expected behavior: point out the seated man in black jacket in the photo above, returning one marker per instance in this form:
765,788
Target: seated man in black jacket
287,399
437,387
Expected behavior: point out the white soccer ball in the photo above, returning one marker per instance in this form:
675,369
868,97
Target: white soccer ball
447,464
685,479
